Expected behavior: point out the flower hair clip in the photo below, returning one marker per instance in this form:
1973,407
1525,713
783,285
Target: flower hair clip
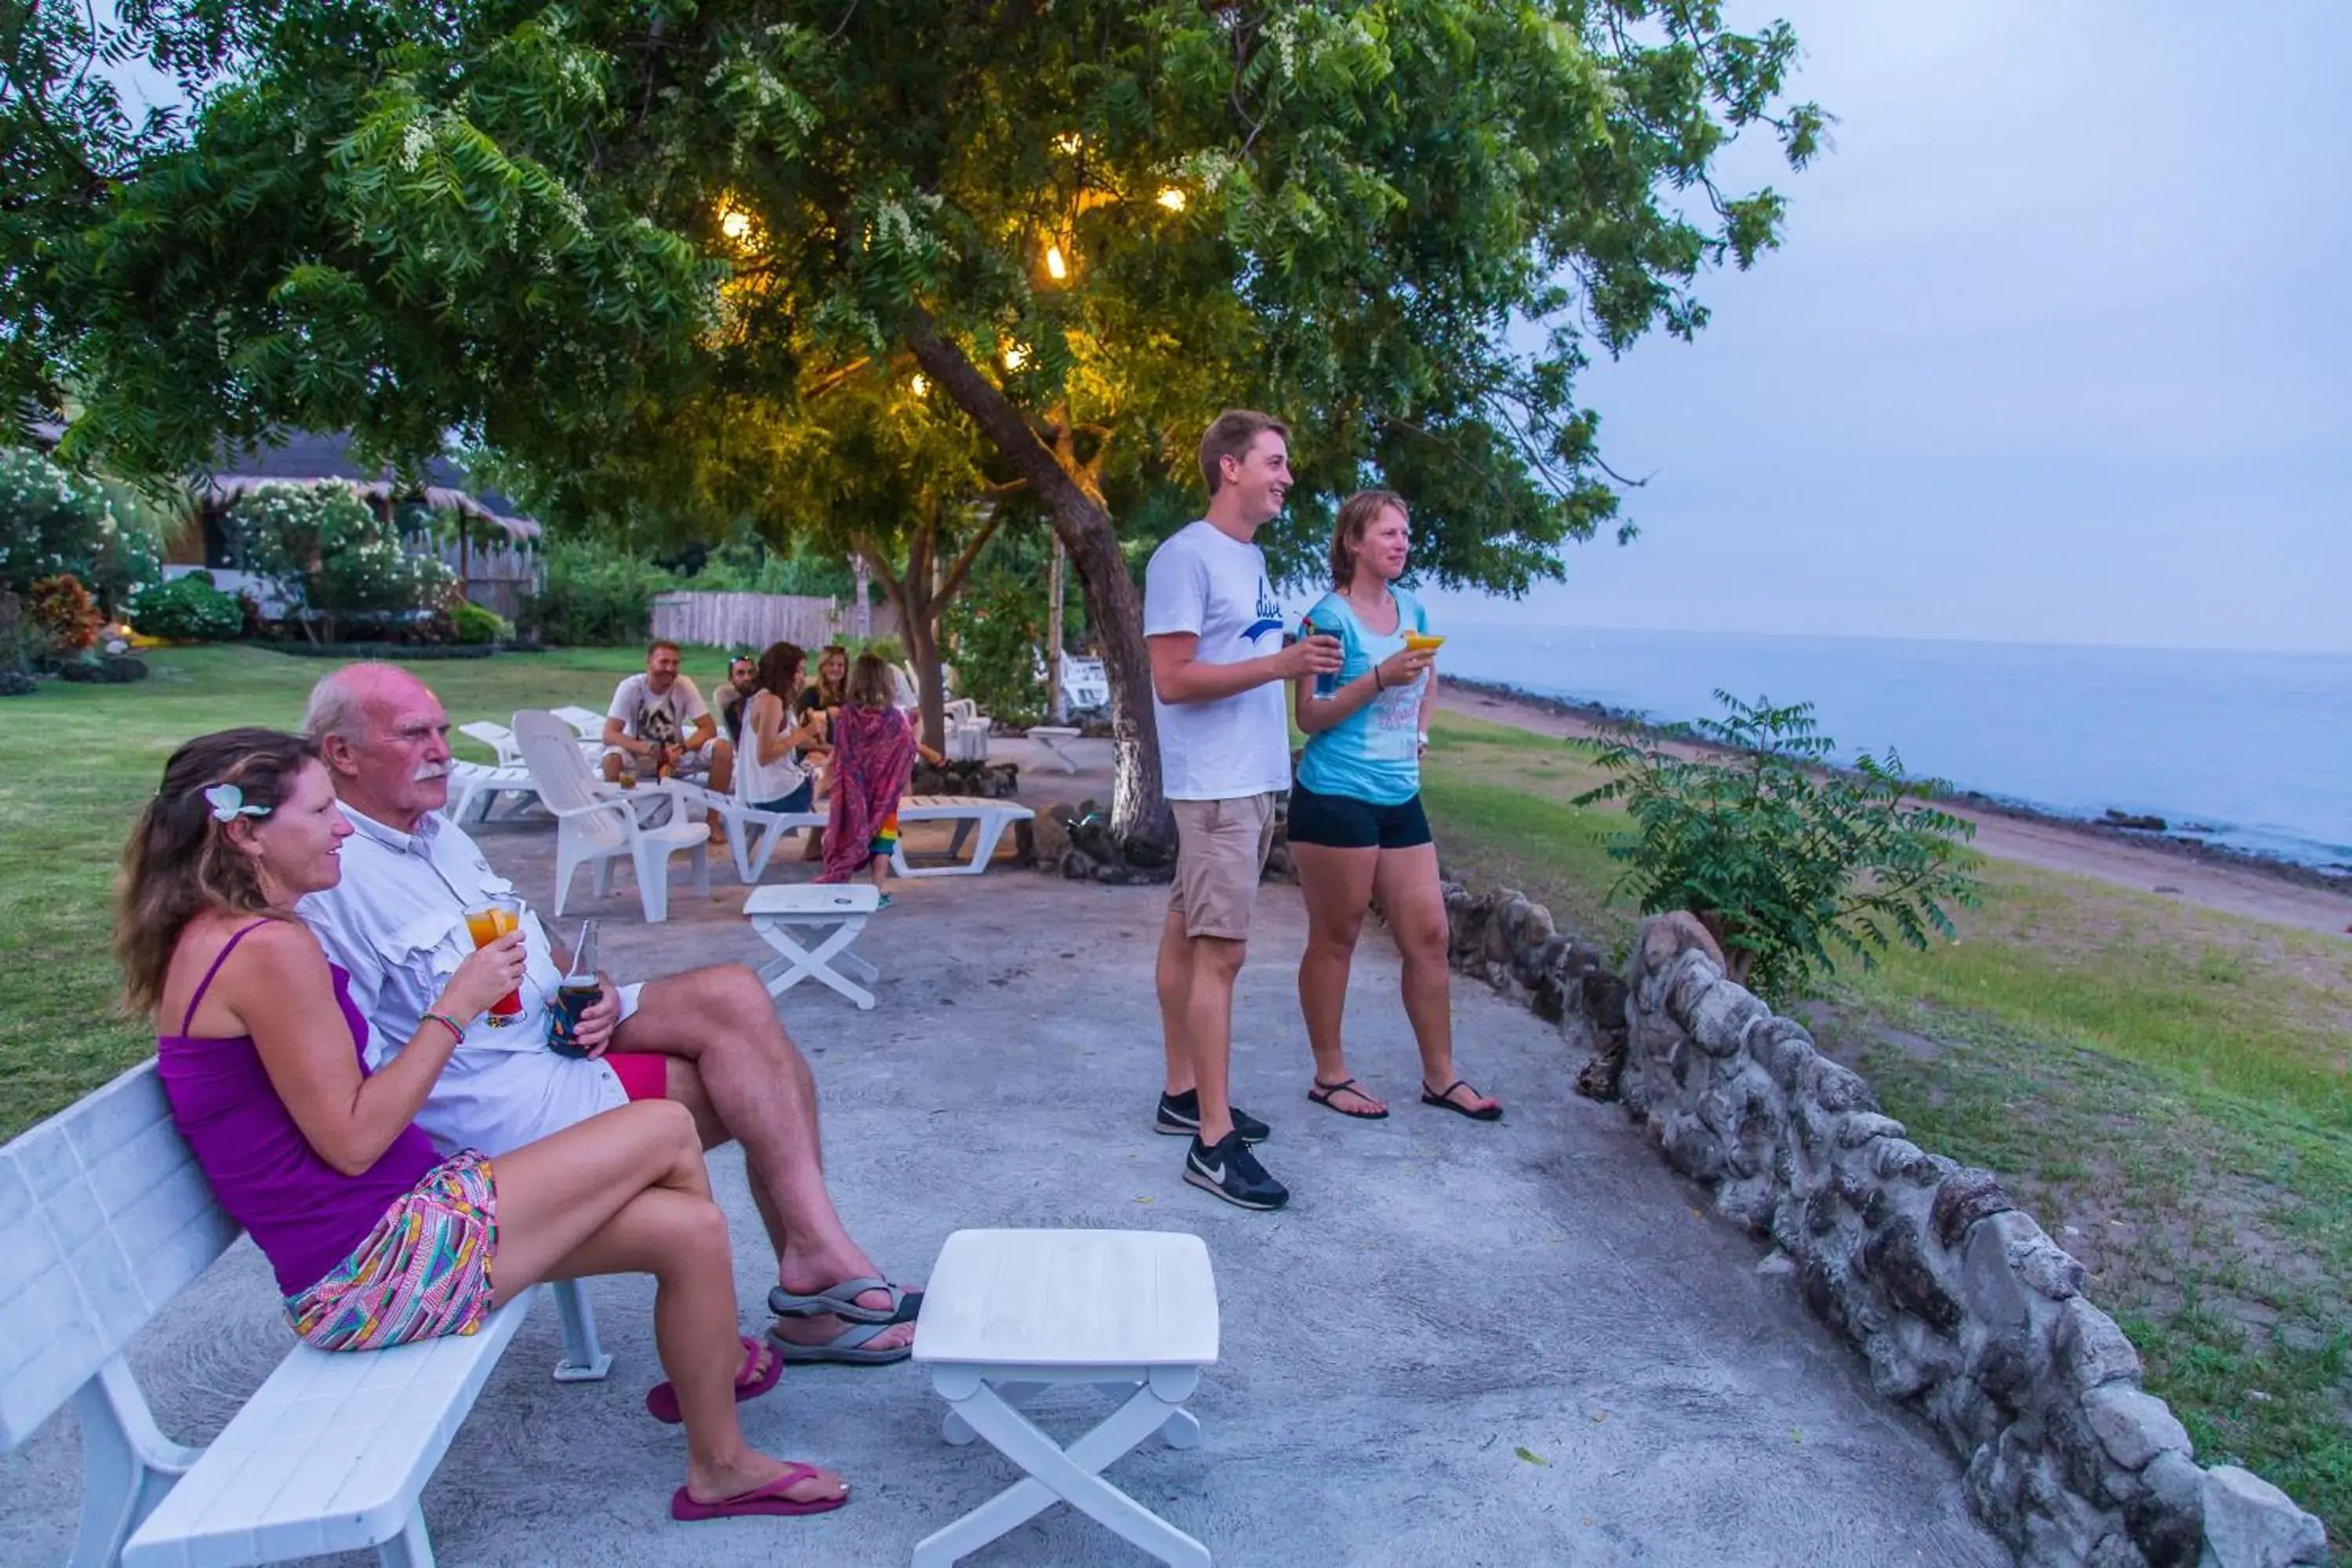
228,802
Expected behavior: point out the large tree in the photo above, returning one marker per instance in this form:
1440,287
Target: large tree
1085,224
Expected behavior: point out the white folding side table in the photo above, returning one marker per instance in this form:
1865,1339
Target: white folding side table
781,914
1006,1313
1056,741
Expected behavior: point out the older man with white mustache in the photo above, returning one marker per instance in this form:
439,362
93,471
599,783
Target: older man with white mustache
708,1039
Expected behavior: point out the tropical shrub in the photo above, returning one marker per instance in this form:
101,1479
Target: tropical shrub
331,552
1788,860
475,624
54,522
63,617
187,609
994,629
596,595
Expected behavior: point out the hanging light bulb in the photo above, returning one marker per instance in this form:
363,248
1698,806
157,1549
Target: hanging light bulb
1171,198
1055,267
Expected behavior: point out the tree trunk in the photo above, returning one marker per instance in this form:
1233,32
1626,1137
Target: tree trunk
1138,809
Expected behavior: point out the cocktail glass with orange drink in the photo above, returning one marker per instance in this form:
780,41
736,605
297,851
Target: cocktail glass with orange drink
499,915
1424,642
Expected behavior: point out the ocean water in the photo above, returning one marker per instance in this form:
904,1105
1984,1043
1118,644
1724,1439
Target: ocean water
2255,746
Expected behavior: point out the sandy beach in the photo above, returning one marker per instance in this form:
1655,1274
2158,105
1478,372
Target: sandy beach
2164,868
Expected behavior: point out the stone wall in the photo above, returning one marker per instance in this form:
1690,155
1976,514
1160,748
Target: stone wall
1961,1305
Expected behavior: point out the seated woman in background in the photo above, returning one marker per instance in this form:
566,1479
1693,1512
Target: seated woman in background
1356,828
375,1239
873,758
774,775
819,701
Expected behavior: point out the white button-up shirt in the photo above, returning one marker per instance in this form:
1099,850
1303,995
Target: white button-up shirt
397,923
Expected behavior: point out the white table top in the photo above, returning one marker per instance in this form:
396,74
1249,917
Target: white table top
813,899
1070,1297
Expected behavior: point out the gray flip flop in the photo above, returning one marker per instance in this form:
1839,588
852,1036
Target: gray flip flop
847,1347
841,1301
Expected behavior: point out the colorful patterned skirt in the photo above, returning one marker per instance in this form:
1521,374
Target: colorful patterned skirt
886,839
423,1272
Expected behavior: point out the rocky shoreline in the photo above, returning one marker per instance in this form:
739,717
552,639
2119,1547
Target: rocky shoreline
2134,831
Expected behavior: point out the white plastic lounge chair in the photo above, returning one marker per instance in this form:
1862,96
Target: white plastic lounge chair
1085,683
498,738
591,827
471,782
979,822
752,834
586,722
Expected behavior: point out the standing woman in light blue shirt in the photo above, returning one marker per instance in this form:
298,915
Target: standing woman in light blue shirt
1356,828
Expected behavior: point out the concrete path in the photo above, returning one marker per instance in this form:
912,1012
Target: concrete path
1510,1344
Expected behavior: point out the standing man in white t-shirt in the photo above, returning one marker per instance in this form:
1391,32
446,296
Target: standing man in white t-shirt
657,720
1218,672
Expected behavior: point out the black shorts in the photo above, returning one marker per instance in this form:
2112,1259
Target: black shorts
1343,822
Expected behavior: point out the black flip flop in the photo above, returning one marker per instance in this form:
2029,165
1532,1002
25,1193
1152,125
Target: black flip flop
1322,1092
1446,1100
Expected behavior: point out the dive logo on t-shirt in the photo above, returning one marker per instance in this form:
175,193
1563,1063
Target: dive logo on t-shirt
1269,613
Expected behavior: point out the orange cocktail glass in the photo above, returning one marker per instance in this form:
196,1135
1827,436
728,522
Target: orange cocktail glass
498,917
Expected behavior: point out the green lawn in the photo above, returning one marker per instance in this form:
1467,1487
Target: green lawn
2166,1090
94,753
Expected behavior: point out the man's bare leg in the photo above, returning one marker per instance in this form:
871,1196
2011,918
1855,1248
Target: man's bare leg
1216,963
1174,981
755,1087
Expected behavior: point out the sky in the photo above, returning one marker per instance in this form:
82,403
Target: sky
2058,347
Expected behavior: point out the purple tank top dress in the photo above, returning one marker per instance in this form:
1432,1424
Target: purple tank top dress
304,1214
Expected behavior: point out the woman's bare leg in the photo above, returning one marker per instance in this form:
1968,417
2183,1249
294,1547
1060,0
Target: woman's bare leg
1406,885
634,1178
1337,885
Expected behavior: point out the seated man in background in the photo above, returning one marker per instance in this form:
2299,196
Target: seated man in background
708,1039
658,722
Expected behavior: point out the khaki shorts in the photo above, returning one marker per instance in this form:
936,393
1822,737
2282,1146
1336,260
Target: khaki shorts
1221,850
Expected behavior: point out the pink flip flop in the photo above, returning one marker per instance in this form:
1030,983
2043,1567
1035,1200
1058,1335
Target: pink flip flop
661,1399
767,1499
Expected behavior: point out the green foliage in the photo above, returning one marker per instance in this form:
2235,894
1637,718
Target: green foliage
1405,225
53,520
994,631
1788,860
334,554
187,609
595,596
476,624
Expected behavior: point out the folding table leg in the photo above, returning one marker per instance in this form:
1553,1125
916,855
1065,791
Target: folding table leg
829,962
1070,1476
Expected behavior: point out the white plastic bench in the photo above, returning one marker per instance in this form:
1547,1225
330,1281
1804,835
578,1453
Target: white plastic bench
975,819
104,1218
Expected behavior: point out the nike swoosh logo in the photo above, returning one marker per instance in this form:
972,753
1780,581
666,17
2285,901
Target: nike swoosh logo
1259,630
1214,1173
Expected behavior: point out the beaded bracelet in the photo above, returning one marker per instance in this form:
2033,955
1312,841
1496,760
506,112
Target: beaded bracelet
448,1023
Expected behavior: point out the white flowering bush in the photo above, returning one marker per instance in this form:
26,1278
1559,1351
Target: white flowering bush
333,555
55,523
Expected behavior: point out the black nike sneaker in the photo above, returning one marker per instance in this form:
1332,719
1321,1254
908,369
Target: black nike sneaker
1180,1117
1228,1170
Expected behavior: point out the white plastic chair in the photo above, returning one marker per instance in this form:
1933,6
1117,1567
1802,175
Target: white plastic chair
1084,682
598,829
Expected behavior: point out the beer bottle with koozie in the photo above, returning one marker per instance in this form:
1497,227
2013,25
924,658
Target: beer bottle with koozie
576,994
